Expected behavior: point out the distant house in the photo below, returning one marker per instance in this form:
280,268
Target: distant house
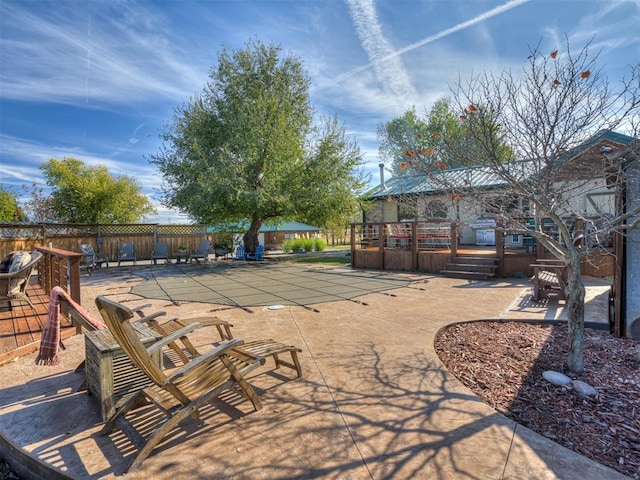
422,198
272,236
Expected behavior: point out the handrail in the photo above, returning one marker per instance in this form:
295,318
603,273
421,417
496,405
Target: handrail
60,268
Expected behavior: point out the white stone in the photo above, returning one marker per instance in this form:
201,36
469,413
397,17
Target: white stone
556,378
584,389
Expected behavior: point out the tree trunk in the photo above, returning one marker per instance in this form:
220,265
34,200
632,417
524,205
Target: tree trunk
575,312
250,239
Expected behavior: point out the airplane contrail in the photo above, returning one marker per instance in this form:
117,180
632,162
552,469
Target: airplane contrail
432,38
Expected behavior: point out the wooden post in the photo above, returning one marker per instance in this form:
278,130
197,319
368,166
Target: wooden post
60,268
414,246
454,239
381,237
353,245
500,247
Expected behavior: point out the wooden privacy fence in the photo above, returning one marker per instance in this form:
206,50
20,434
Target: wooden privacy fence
103,238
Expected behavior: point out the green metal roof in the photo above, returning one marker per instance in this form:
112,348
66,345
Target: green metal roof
478,177
278,227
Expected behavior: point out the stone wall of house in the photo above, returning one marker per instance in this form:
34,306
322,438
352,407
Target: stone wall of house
632,259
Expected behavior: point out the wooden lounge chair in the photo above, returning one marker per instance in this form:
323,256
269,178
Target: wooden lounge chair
126,253
14,282
160,252
201,253
179,394
258,348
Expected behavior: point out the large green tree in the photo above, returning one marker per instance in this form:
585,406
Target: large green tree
247,148
10,210
85,194
401,138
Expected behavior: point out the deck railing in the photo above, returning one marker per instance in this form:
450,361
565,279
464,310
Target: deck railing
60,268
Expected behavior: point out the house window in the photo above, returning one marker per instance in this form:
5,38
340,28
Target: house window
436,209
407,211
505,204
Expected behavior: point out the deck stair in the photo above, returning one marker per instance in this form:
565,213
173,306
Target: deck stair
472,267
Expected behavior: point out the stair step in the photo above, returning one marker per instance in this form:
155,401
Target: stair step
467,275
456,267
475,260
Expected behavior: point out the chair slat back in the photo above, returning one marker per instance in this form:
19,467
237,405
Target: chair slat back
126,250
117,318
203,247
161,249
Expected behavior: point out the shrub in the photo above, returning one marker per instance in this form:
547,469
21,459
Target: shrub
306,244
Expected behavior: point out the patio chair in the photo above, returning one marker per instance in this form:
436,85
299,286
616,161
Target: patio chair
258,348
90,259
127,253
240,253
258,255
178,394
201,253
160,251
14,281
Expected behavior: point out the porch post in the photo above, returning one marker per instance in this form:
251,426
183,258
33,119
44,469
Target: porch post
454,239
500,246
414,246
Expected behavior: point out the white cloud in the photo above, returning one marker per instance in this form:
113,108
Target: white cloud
388,67
119,57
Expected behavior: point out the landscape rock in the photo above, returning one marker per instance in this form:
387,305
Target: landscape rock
584,389
556,378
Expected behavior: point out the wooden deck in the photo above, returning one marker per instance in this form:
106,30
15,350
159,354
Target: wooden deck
21,326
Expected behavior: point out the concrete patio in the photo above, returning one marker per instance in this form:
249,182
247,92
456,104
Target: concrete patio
374,402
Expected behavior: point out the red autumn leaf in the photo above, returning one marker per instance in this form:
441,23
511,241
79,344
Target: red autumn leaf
443,165
436,163
403,166
407,153
472,108
554,54
467,131
585,74
434,134
463,117
429,152
456,198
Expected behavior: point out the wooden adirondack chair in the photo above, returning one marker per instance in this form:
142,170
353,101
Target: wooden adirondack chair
258,255
160,252
201,253
178,394
90,259
241,253
127,253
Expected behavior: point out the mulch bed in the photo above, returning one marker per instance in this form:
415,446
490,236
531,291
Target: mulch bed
502,363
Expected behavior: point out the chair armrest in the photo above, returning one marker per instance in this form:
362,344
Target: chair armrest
206,357
139,309
150,317
173,337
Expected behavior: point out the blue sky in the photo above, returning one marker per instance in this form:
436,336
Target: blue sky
97,80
